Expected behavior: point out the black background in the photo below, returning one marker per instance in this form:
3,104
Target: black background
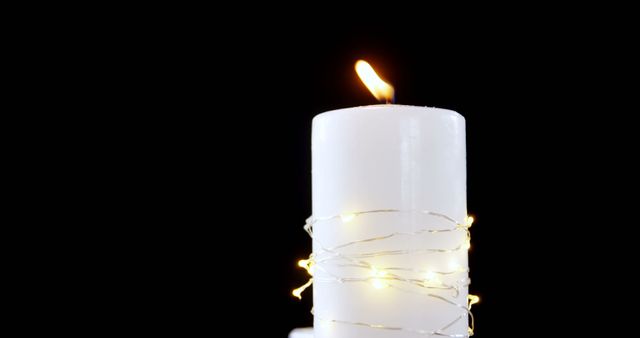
226,158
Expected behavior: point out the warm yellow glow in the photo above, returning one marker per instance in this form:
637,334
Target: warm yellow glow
467,242
298,292
469,221
472,299
346,218
378,283
380,89
430,276
306,264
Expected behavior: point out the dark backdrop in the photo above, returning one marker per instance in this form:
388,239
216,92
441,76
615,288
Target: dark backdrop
231,162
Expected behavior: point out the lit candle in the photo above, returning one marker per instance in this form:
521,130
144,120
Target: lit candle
389,225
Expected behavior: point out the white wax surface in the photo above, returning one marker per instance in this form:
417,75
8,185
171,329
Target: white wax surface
306,332
388,157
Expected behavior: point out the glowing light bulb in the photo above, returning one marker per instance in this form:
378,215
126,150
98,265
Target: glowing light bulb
298,292
346,218
307,264
430,276
469,221
466,245
467,242
472,299
454,266
377,282
431,279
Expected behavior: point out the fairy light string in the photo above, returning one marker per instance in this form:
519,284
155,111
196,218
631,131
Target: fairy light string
393,277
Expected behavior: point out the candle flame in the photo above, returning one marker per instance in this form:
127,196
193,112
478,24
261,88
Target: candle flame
380,89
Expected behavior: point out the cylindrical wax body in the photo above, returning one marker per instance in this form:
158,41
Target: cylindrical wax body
411,160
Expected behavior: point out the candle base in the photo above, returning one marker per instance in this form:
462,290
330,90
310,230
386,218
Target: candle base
306,332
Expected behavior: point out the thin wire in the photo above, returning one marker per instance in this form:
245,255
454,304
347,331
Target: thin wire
317,261
312,220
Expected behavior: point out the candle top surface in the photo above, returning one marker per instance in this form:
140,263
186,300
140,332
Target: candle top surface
389,109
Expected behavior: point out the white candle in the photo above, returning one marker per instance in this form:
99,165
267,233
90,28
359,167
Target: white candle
389,157
306,332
